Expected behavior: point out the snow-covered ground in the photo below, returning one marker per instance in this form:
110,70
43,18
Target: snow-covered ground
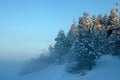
108,68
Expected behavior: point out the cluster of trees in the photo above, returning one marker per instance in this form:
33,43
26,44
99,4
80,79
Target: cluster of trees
85,42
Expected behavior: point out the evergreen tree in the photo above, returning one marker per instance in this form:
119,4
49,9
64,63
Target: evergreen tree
61,47
72,34
111,19
84,53
101,42
105,21
84,22
114,45
100,18
52,55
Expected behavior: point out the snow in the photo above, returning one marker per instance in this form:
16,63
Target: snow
53,72
108,68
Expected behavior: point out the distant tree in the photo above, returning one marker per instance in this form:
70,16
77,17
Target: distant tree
51,54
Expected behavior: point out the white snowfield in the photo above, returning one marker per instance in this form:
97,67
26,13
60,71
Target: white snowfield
108,68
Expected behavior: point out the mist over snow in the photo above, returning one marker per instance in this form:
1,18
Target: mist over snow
108,68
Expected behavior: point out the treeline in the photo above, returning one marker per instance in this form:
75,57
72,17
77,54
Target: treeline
85,42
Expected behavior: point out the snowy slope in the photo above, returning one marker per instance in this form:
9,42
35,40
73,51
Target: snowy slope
108,68
53,72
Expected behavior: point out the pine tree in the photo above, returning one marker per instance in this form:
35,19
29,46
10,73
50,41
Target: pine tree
101,42
114,45
98,23
83,53
72,34
100,18
61,47
52,55
84,22
111,19
105,20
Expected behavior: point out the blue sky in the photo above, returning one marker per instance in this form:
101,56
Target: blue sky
28,26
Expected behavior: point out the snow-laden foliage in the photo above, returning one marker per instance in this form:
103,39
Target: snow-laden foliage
84,52
61,47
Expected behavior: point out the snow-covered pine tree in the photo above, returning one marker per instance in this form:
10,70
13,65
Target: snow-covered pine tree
105,21
83,53
61,47
72,34
101,42
51,54
114,45
99,18
74,57
93,21
84,22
